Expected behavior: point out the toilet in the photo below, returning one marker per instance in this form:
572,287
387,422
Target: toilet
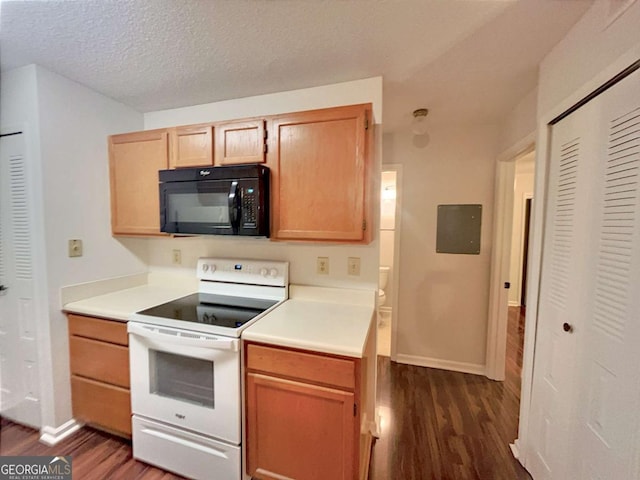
383,278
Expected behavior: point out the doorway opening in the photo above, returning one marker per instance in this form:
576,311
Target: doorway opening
522,201
389,183
523,185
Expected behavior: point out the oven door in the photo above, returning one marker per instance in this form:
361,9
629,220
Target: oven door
187,379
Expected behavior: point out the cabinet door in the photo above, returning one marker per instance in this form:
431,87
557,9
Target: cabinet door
191,146
107,406
319,181
240,142
134,162
297,430
99,360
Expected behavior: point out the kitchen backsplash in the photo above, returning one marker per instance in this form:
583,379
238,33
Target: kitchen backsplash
302,258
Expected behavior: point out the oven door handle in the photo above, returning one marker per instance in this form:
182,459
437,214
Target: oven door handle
208,343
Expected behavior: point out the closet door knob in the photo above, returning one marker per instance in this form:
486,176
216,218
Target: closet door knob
567,327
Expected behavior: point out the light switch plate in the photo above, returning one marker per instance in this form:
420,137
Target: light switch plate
75,248
176,257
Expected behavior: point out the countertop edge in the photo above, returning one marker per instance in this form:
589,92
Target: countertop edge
302,345
99,313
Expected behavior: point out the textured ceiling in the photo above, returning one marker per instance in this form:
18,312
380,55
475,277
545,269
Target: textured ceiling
470,58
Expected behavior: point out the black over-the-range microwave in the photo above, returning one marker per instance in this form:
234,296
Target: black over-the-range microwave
225,200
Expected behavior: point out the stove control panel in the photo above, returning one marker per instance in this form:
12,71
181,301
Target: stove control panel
245,271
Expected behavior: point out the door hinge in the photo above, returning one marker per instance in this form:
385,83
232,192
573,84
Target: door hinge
266,133
355,409
266,148
366,122
507,285
364,224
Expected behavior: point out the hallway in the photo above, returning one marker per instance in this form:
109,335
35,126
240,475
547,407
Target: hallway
441,425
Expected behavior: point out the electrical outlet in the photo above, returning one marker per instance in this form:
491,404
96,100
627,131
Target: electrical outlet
353,266
75,248
176,257
322,267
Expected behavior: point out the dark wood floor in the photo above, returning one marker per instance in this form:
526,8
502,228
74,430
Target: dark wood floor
438,426
449,426
95,455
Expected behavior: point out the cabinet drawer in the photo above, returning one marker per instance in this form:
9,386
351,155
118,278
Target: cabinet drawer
106,406
307,366
110,331
99,360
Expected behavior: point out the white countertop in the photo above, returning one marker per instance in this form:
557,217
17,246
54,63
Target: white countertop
328,320
121,304
335,321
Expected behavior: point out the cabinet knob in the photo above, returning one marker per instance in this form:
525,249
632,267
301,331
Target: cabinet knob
567,327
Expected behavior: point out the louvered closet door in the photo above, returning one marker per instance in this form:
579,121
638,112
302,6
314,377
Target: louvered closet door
586,387
563,293
19,383
607,438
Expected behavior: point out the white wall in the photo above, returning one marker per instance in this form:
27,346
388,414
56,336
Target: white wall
74,123
302,256
520,123
335,95
443,298
522,189
591,46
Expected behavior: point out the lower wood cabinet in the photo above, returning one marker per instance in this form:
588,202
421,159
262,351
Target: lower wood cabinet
302,415
102,405
99,361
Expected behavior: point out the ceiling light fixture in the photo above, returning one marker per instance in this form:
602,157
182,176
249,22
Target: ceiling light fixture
419,122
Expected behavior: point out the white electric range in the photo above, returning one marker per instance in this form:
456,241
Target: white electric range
186,369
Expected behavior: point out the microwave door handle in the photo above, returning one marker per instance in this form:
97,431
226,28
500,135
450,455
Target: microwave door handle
210,343
234,210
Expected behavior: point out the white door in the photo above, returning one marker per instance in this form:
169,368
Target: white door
586,383
607,420
19,384
567,244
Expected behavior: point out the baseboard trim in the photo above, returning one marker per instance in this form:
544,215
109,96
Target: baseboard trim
51,436
441,364
514,450
365,459
517,451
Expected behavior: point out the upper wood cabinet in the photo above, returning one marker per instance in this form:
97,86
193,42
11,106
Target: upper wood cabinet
191,146
319,161
134,162
240,142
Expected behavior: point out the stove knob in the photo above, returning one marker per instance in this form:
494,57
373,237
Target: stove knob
208,268
264,272
273,273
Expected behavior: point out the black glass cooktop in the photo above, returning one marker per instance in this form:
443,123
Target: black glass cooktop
209,309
